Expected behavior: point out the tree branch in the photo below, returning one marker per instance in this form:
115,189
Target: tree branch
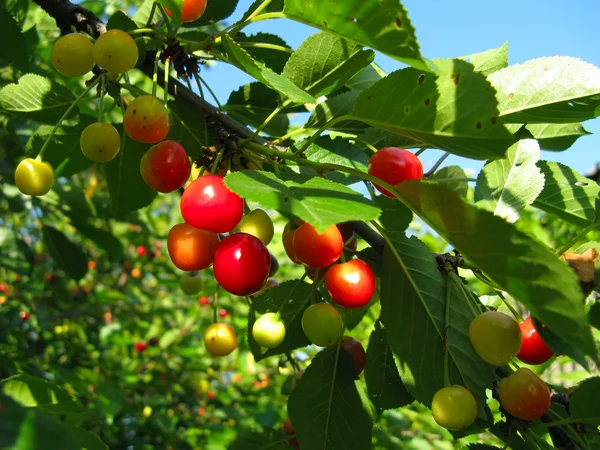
68,15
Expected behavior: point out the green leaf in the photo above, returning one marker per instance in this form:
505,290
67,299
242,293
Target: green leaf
14,52
37,98
526,269
216,11
325,62
557,137
506,186
383,26
329,408
554,89
65,253
319,202
454,110
143,13
188,127
460,187
281,84
581,407
291,299
273,6
85,439
413,298
105,240
252,103
489,61
273,59
336,106
64,152
558,346
38,431
384,384
367,77
337,151
270,439
33,392
127,189
567,194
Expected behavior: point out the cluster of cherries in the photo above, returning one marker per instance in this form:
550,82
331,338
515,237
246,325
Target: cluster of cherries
498,338
166,166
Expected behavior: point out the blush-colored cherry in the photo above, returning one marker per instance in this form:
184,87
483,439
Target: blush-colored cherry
191,248
394,165
190,10
288,242
241,264
207,204
533,348
147,120
350,284
165,167
524,395
318,250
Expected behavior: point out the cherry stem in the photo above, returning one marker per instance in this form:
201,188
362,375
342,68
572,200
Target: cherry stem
576,239
212,93
313,296
215,304
466,293
421,150
166,84
40,155
258,10
436,165
447,327
155,74
101,106
165,17
512,309
200,90
292,362
314,137
151,16
216,162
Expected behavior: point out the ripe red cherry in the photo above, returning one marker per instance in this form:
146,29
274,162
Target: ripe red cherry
203,300
223,313
395,165
211,395
24,315
166,166
141,250
318,250
191,248
207,204
351,284
533,348
190,10
140,347
241,264
288,242
356,351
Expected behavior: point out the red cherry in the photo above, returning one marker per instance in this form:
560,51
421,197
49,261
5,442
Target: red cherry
207,204
318,250
203,301
356,351
394,165
166,166
241,264
211,395
351,284
190,248
3,288
288,242
533,348
140,347
50,278
141,250
223,313
153,342
24,315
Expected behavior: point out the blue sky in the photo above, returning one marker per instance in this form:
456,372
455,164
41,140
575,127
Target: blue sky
533,28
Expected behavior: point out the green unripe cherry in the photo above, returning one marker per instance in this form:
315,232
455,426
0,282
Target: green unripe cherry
191,283
454,408
322,324
258,224
269,330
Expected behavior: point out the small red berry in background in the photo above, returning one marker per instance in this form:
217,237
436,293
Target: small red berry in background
3,288
533,348
211,395
394,165
289,430
50,278
223,313
203,300
141,347
153,342
24,315
201,411
141,250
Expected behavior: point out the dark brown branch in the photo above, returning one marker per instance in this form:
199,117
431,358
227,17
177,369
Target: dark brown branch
69,15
